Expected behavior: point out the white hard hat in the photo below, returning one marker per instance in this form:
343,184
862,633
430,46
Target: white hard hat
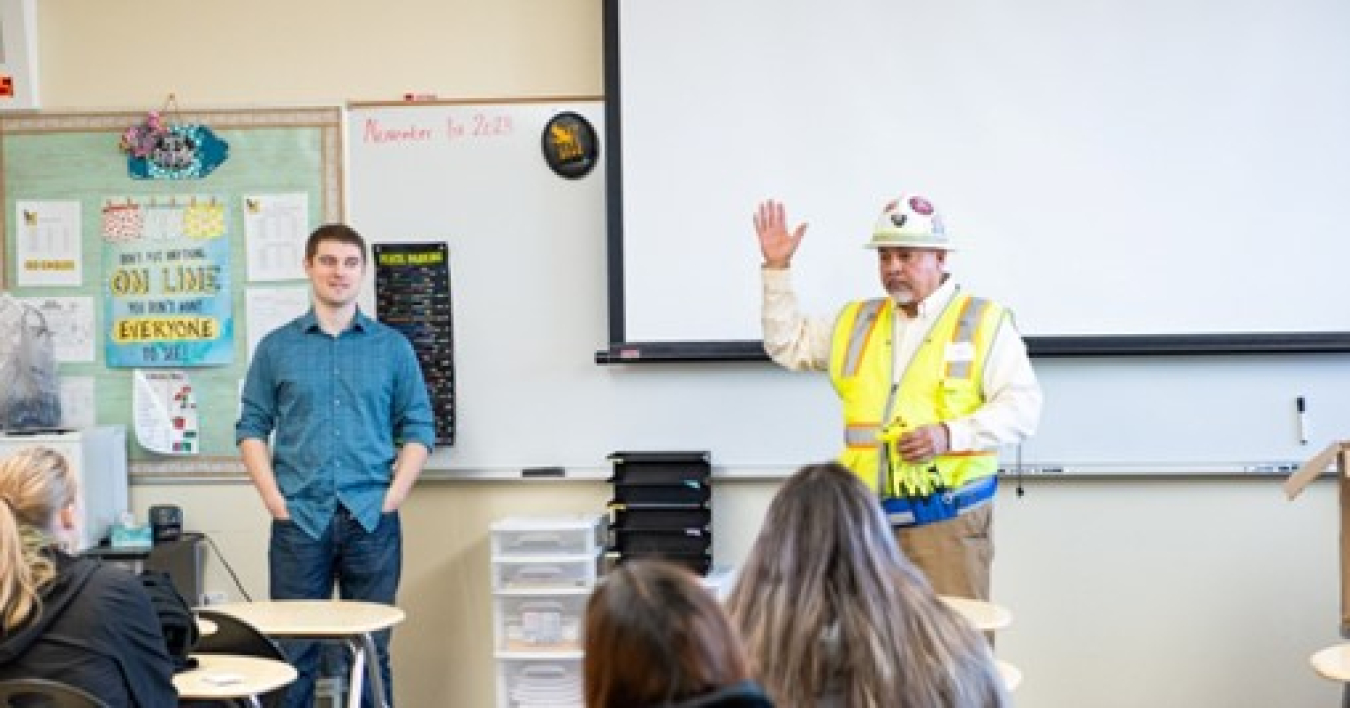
910,221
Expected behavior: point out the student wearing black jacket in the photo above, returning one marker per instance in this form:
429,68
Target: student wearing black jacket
64,618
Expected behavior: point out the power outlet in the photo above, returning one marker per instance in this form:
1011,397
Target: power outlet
215,597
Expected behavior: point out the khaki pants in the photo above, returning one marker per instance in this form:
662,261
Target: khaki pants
955,554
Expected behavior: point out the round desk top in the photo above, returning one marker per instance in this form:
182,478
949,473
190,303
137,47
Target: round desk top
986,616
1333,662
314,618
230,676
1012,676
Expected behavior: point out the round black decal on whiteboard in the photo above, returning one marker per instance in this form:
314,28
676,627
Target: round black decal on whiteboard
570,147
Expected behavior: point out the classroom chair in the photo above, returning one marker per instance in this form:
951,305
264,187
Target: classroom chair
230,635
42,693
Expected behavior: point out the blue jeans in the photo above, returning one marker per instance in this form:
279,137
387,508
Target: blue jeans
364,565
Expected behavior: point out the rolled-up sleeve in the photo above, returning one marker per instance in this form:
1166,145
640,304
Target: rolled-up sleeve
413,418
257,402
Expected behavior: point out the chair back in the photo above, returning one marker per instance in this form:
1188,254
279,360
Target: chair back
43,693
232,635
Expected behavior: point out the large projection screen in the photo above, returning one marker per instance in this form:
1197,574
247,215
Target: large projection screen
1140,177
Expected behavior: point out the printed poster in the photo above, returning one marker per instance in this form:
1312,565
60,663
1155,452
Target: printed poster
276,227
412,295
47,244
166,266
166,412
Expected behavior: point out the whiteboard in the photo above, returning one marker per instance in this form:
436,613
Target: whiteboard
1152,175
528,272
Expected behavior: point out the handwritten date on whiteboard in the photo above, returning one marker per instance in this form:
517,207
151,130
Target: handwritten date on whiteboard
481,125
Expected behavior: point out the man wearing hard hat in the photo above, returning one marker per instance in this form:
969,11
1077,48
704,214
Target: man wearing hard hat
932,380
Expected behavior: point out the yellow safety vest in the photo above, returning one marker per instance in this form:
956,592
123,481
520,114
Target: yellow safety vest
942,381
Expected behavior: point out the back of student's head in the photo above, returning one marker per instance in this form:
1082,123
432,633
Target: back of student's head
36,485
655,636
828,605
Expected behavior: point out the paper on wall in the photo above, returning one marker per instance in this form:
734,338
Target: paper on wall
71,322
77,402
276,227
165,411
47,243
265,309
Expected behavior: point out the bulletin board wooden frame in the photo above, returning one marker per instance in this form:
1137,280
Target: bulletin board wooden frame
303,152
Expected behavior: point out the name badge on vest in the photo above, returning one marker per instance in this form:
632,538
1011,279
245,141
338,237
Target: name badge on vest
960,351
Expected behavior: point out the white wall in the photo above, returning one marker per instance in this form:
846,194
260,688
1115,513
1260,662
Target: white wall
1126,593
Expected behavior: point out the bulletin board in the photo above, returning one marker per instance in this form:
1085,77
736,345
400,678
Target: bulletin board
73,161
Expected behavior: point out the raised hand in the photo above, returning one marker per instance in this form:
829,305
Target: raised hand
776,242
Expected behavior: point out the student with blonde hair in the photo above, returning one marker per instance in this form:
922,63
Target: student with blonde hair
655,638
833,614
66,618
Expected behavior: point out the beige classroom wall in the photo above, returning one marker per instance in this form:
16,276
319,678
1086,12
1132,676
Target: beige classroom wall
245,53
1174,593
443,653
1126,593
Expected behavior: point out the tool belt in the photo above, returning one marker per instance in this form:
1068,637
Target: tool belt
941,505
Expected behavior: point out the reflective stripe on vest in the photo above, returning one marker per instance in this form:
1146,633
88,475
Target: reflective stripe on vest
861,434
966,324
864,324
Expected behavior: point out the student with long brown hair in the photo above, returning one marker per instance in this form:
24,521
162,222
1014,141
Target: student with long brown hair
656,638
67,618
833,614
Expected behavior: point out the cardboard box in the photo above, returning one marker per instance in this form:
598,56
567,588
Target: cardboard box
1338,452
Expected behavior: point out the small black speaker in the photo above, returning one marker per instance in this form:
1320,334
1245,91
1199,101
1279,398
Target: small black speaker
166,522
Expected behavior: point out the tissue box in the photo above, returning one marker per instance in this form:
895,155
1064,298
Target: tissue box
124,536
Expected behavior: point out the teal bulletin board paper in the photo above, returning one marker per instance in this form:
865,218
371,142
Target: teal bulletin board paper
74,156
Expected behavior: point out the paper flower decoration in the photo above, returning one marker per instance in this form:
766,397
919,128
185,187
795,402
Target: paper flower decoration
140,140
180,151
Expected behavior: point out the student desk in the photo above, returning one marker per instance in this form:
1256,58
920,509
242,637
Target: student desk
986,616
1011,675
1334,663
349,621
225,676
